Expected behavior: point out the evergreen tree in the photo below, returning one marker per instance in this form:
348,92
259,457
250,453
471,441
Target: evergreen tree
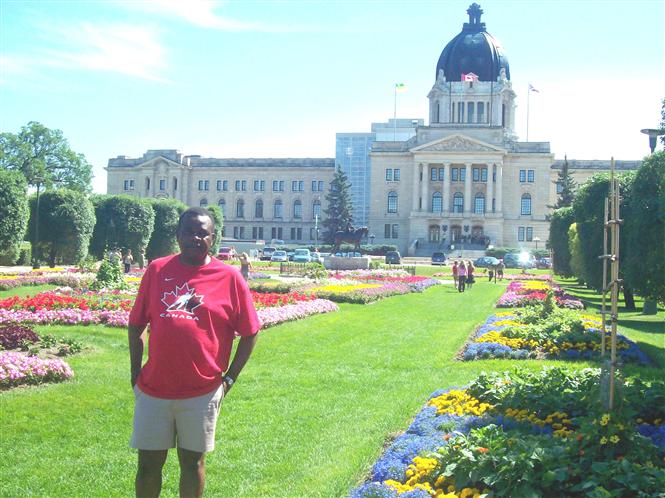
568,186
338,213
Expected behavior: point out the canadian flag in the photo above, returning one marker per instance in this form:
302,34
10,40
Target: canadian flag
469,77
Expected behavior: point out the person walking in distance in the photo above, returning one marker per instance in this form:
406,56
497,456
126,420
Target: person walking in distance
461,276
195,306
455,270
127,260
470,278
245,266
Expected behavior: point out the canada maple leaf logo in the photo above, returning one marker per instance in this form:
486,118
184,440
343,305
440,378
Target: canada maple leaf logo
183,298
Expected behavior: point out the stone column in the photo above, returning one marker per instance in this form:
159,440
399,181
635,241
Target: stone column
499,186
416,178
467,189
424,186
489,191
446,188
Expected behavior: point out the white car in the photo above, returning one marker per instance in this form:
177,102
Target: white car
279,257
302,256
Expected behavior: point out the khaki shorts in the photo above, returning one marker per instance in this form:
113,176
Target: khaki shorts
159,423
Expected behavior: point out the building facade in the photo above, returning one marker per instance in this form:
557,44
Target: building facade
463,180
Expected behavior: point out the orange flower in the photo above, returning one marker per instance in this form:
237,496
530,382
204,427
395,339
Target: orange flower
446,437
482,450
580,437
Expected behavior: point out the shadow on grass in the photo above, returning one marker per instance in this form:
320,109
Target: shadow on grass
642,326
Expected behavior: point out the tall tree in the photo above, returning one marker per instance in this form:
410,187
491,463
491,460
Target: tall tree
560,222
565,182
338,213
163,239
13,213
44,157
218,218
662,123
66,220
645,227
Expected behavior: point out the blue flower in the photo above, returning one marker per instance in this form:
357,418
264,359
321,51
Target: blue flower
374,490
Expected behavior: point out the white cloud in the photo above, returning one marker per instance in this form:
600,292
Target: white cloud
126,49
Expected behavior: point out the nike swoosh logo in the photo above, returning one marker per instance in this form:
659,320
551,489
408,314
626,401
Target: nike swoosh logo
167,279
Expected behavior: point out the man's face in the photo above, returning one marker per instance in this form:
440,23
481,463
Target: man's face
195,237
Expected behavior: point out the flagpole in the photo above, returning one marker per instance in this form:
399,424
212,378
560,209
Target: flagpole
395,116
528,94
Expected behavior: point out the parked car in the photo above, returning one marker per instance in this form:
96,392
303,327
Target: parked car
438,258
225,253
393,258
519,260
485,262
302,256
279,256
290,254
267,253
544,263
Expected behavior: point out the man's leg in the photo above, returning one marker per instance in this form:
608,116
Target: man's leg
192,473
149,473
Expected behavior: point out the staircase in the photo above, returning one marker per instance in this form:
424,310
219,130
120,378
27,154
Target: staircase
466,251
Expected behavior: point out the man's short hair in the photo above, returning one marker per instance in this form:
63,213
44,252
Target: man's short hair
194,212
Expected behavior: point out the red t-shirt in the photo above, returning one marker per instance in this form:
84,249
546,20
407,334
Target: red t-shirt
194,313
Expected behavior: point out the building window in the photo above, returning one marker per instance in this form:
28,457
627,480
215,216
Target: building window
147,183
203,203
529,234
297,209
493,205
531,175
259,185
321,186
219,185
494,173
462,174
240,208
316,209
257,233
479,204
470,110
389,174
129,184
520,234
526,204
162,185
277,209
522,175
433,174
299,233
453,174
235,232
293,233
436,202
483,175
222,205
395,231
476,174
386,230
275,186
204,185
481,112
241,185
396,174
442,173
392,202
258,209
294,186
458,203
175,184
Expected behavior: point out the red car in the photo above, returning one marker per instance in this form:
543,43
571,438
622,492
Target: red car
226,253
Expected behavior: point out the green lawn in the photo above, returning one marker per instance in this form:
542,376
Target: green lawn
29,290
308,417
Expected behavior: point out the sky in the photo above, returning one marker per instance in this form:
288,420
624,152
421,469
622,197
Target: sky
279,78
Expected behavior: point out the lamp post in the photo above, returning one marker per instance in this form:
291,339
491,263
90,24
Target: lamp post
536,240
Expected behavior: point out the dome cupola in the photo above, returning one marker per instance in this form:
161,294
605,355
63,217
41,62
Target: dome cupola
473,50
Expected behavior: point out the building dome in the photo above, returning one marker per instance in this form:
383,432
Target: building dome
474,50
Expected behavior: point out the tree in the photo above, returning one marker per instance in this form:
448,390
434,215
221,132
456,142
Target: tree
338,213
662,122
66,221
218,218
122,222
588,208
645,229
13,213
163,239
575,249
560,222
44,158
568,186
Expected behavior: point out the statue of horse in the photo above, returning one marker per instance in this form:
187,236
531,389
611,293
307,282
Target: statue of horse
352,236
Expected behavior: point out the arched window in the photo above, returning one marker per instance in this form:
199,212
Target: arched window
240,208
175,183
458,203
203,203
222,205
479,204
526,204
297,209
316,209
277,209
392,202
258,209
147,183
436,202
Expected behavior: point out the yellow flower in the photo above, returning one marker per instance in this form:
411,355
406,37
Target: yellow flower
603,440
614,439
605,419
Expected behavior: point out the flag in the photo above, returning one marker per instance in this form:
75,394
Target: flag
469,77
532,89
400,87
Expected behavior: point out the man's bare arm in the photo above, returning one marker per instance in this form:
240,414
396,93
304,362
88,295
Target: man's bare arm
137,337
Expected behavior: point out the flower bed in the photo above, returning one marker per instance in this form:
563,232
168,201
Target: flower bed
59,300
70,279
19,368
528,434
273,299
522,293
538,332
289,312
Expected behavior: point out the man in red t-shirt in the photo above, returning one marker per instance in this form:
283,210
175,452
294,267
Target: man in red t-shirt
195,305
